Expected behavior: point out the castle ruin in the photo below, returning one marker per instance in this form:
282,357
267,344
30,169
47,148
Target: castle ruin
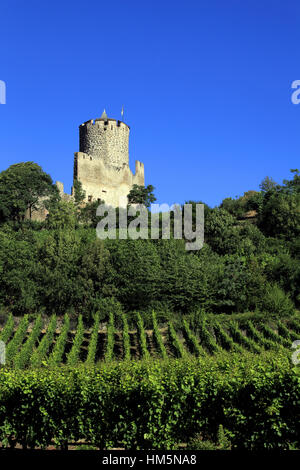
102,163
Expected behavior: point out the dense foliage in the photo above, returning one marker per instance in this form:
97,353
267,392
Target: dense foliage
25,187
60,266
155,405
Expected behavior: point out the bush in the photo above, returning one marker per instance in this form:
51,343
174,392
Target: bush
276,302
156,404
221,443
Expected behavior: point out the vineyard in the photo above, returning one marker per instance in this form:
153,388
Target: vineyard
119,384
56,342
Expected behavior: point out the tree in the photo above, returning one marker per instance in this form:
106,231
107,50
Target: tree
25,187
293,186
79,193
62,216
18,265
88,213
267,184
135,273
141,195
251,200
220,231
279,215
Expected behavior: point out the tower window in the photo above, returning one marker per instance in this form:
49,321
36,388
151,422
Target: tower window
91,158
90,198
103,190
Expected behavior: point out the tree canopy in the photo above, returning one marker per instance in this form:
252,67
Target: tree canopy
141,195
25,187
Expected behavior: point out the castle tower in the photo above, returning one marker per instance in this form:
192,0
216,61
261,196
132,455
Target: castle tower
102,163
105,139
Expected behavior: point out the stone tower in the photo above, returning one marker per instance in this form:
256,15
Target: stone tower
102,163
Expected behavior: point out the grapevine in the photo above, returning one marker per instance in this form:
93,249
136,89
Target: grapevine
14,345
158,338
110,338
92,350
177,345
59,347
41,351
142,337
23,357
73,356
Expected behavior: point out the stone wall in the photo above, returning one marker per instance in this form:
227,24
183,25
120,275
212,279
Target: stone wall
41,213
105,140
105,182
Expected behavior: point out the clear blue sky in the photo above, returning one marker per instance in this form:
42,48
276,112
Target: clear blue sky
206,88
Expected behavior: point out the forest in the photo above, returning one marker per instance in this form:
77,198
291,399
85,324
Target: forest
249,261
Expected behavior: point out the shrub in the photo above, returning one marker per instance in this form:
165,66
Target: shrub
276,302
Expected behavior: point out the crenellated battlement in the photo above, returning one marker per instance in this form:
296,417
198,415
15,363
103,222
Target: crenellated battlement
101,123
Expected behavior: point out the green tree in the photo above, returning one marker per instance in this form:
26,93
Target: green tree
268,184
238,207
63,215
141,195
18,267
79,193
237,286
280,215
135,274
183,277
293,185
25,187
220,231
88,213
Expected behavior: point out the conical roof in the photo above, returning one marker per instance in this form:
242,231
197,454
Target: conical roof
104,115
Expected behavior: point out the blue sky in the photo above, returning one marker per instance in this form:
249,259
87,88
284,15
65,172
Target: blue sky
206,88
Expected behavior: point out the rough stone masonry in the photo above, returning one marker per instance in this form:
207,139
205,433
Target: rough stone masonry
102,164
